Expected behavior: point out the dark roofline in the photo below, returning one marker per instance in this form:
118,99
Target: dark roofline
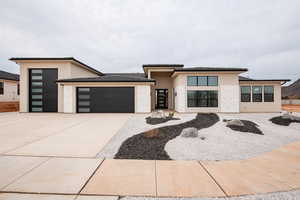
210,69
4,75
163,65
58,58
286,80
86,81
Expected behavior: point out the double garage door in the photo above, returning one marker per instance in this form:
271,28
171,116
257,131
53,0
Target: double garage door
105,99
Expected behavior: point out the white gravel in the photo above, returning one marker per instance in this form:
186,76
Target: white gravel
221,143
291,195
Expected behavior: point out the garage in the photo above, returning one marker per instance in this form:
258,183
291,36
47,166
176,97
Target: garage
105,100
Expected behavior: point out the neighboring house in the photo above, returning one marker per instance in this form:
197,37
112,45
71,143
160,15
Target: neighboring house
70,86
292,91
9,87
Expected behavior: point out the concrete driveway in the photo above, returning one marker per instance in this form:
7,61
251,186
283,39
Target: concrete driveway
57,135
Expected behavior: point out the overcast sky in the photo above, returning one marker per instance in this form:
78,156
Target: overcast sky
120,36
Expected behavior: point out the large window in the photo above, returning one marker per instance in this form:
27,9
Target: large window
202,81
245,93
1,88
268,93
257,93
202,98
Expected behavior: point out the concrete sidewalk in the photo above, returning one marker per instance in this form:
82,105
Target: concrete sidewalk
275,171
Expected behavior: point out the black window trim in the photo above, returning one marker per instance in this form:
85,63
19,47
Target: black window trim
207,85
262,93
208,98
250,100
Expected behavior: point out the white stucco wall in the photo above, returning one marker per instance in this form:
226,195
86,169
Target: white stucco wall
142,99
180,93
229,93
65,70
69,99
274,106
10,91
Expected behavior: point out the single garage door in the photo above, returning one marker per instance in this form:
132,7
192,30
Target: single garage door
105,99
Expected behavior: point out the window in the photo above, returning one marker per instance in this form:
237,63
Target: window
257,93
268,93
1,88
202,81
212,81
245,93
18,89
202,98
192,81
192,98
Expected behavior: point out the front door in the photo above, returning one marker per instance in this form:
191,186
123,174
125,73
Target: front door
161,98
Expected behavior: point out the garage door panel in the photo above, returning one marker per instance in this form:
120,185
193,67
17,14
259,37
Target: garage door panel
110,100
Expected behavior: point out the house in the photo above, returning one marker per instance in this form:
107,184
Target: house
69,86
9,87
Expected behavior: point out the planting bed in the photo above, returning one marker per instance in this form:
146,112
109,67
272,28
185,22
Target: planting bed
155,121
283,121
249,127
141,146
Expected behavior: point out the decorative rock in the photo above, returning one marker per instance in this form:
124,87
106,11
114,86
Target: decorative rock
152,133
235,122
158,114
189,132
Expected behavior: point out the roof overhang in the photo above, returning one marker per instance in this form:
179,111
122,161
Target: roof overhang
177,72
282,81
161,67
44,59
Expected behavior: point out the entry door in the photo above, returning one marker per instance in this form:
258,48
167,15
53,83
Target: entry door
42,90
161,98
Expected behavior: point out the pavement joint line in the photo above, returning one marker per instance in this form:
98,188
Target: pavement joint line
91,176
39,139
155,171
27,172
116,133
211,176
67,157
40,193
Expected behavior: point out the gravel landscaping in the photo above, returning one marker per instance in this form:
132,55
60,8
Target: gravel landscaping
247,126
291,195
151,145
283,121
217,142
155,121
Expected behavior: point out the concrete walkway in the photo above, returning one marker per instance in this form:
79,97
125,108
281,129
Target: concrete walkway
275,171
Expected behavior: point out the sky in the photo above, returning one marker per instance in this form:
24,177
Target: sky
121,36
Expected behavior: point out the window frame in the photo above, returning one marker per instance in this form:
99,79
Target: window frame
207,81
273,91
241,93
254,95
207,94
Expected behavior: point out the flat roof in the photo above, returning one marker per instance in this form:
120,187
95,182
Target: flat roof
241,78
130,77
205,69
163,65
58,58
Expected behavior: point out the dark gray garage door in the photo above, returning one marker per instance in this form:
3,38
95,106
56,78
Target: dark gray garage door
105,99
